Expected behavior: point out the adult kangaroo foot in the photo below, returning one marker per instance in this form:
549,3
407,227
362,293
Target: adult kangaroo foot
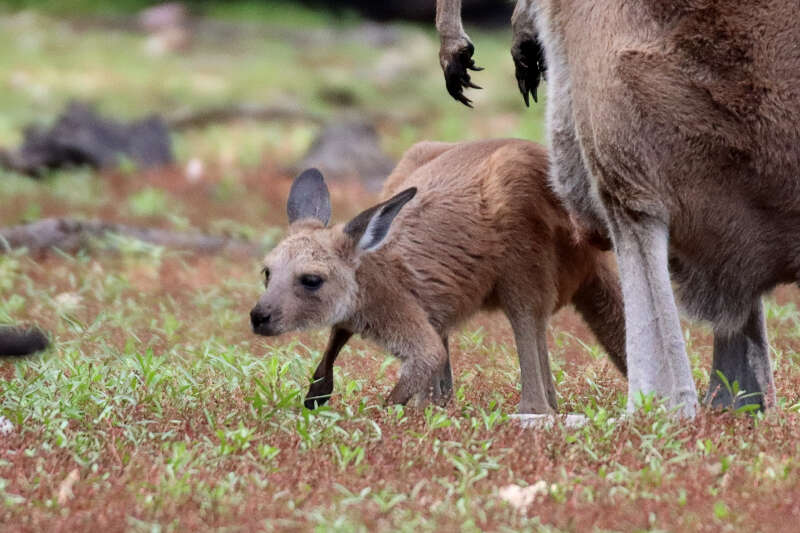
741,363
656,354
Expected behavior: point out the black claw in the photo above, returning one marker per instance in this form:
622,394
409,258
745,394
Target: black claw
318,394
529,52
521,83
455,86
457,77
314,401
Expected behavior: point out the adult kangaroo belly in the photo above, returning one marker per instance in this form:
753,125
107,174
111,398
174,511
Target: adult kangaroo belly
686,114
693,132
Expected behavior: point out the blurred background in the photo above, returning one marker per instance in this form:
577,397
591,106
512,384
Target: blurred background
158,409
175,114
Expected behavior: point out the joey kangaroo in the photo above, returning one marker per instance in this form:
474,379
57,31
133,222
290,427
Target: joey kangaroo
475,227
675,125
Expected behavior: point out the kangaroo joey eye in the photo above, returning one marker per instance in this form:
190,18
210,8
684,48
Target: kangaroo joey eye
311,282
265,271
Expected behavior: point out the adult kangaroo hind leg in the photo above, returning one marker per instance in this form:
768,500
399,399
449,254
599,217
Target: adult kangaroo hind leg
742,357
656,354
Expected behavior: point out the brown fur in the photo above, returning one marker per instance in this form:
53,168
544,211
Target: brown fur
483,232
677,123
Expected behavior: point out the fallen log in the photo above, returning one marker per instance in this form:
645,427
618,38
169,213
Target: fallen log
184,119
70,235
81,136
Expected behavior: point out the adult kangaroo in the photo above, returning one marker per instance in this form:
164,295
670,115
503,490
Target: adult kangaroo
473,226
678,124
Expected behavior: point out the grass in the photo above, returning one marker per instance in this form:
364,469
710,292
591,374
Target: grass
158,410
286,10
49,61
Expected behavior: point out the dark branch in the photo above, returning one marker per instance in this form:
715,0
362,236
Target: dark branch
70,235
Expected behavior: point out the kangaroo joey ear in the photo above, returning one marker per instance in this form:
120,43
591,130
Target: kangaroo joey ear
370,228
309,198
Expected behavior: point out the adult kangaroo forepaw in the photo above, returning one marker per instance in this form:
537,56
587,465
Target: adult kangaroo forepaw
456,60
529,66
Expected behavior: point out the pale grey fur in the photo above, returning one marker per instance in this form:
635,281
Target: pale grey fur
655,348
569,176
654,343
656,354
674,125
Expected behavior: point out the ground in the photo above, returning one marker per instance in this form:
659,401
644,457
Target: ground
158,410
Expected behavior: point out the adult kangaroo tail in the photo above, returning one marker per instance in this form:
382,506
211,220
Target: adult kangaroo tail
21,341
599,301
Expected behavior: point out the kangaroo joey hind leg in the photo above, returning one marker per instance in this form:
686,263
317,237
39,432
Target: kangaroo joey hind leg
440,388
442,384
416,382
438,392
